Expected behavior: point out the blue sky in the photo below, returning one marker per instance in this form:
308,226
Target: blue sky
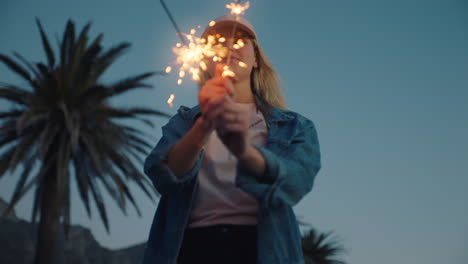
385,82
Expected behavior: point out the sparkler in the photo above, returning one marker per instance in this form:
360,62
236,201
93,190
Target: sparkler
237,9
193,52
192,57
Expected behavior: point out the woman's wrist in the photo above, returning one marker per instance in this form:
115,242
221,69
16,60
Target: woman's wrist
253,160
201,131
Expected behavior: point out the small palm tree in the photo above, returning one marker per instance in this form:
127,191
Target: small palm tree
61,120
317,248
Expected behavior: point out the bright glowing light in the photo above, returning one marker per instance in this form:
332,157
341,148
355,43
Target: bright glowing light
227,72
191,57
203,66
238,8
171,100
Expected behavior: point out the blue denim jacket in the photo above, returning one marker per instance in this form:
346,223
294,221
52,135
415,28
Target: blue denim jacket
292,156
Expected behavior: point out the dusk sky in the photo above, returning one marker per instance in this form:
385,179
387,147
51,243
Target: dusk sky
385,82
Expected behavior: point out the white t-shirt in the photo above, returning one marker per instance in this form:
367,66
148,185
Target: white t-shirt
218,200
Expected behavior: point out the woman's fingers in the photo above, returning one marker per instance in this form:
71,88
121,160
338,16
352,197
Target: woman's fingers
232,128
213,89
214,107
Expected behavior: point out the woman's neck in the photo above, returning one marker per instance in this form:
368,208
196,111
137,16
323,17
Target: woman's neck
243,92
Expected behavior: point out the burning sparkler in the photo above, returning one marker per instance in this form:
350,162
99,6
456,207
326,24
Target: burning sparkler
237,8
192,57
193,53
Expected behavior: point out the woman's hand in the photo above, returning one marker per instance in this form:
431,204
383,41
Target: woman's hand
212,94
231,123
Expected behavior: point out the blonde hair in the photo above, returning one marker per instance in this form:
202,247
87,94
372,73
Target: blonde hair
264,81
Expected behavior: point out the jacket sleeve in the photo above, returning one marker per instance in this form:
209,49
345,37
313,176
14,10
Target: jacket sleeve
164,180
289,176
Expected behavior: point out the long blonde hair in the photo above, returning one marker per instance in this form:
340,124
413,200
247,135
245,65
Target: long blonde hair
264,81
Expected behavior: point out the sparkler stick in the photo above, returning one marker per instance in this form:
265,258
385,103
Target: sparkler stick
237,9
232,36
193,53
173,21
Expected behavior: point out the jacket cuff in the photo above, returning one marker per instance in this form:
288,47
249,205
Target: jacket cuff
167,178
245,176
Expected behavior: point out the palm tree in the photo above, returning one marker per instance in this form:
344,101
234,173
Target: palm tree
61,120
317,248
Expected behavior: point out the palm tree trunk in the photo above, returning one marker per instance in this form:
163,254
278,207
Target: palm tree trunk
46,247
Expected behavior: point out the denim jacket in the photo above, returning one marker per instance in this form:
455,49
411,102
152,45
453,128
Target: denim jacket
292,157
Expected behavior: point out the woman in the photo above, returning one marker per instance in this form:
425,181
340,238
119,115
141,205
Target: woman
230,170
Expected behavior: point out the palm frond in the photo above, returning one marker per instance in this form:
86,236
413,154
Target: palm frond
15,67
102,62
30,118
5,159
30,67
11,114
318,248
8,132
67,44
15,94
72,124
110,112
46,138
127,84
45,43
19,191
96,193
21,149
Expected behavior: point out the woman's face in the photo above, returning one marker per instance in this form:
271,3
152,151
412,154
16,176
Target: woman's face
244,54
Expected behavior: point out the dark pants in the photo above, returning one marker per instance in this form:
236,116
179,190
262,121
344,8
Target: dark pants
219,244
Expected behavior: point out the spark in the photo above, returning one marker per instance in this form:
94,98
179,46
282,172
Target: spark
238,8
203,66
212,23
171,100
242,64
227,72
192,56
168,69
